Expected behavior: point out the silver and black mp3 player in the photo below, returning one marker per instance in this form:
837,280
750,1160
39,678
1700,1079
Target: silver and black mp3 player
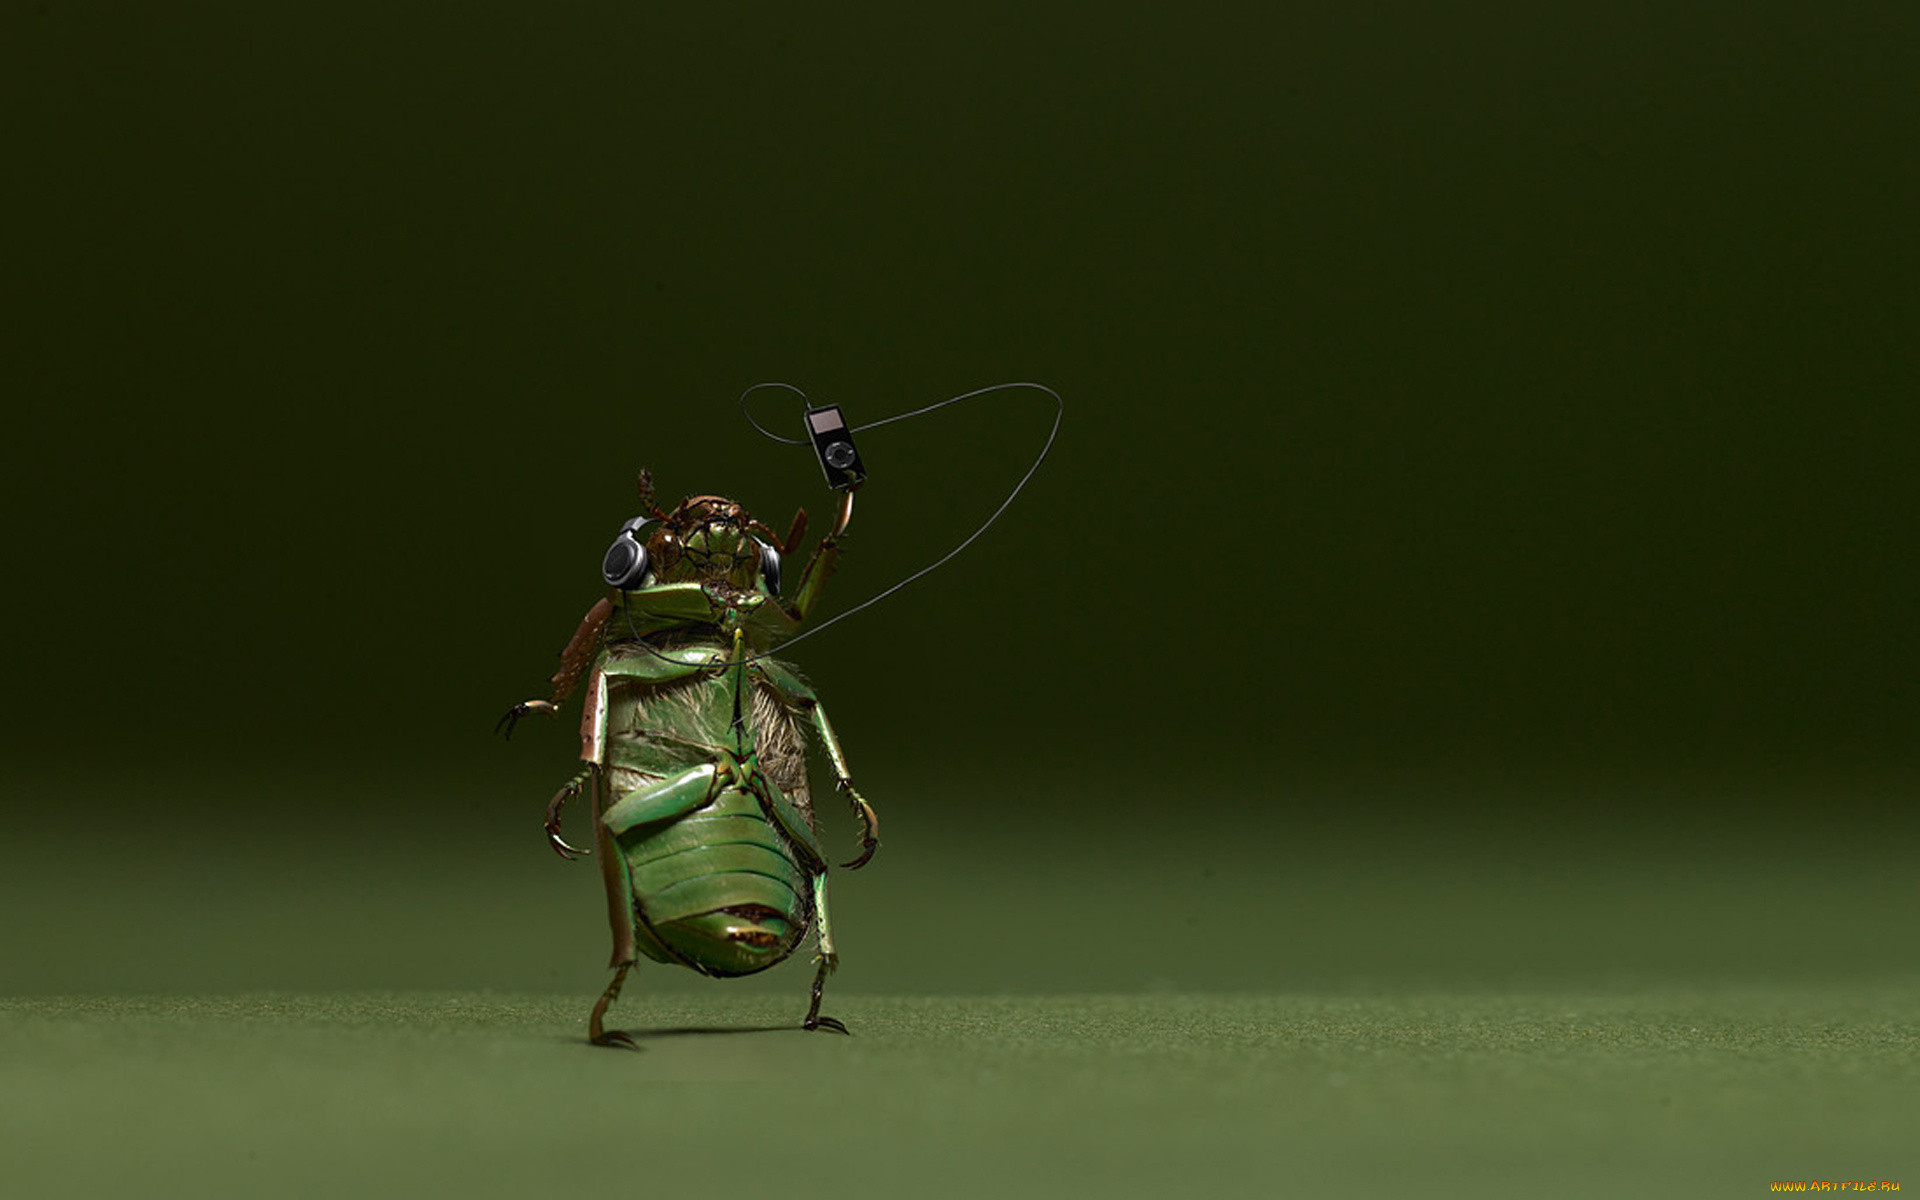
833,443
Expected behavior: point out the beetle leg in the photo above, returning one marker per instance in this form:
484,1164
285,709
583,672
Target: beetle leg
869,825
869,820
574,659
813,579
597,1033
512,716
580,649
819,568
828,960
844,516
560,798
814,1019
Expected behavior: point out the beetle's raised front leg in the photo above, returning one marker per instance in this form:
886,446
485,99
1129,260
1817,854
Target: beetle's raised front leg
819,568
599,1034
573,663
828,960
843,783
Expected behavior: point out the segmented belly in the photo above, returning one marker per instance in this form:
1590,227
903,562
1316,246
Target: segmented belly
719,889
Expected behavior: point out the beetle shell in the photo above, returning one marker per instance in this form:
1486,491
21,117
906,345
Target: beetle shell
716,874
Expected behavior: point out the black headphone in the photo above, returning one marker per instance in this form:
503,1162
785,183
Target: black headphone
625,565
626,562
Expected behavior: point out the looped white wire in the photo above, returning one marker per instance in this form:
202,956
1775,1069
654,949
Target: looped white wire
1059,411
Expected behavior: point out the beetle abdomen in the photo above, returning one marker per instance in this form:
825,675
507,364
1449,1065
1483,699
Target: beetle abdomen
719,888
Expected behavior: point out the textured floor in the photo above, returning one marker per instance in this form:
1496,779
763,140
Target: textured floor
1238,1095
366,989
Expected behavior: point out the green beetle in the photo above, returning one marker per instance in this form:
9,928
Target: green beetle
693,750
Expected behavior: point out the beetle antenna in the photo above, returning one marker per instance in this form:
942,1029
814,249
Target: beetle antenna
795,532
644,482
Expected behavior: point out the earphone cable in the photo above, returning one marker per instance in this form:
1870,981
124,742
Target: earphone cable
1059,411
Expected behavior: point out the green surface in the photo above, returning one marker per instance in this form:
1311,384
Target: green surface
1240,1095
382,990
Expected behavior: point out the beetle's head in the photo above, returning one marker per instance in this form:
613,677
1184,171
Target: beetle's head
706,540
713,540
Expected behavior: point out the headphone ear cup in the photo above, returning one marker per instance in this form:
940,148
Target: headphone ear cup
769,566
626,562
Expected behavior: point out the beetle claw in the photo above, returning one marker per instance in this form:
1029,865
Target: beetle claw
869,825
827,961
616,1039
567,792
867,847
512,716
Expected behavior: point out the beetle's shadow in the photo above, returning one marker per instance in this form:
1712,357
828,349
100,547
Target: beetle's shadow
674,1031
641,1035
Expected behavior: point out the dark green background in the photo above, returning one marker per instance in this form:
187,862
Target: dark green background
1482,388
1473,420
1480,426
